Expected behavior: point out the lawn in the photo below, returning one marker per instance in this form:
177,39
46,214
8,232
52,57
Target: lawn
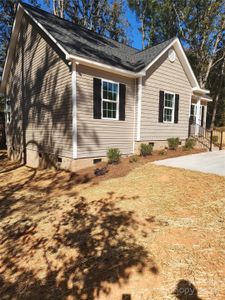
148,233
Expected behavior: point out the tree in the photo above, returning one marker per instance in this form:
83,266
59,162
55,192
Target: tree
100,16
57,7
91,14
200,24
116,23
203,32
142,8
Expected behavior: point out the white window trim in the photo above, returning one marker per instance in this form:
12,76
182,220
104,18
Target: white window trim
166,107
111,101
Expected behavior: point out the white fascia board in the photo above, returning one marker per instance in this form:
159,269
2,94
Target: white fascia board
74,110
105,67
184,61
158,56
201,91
11,47
15,30
206,99
47,33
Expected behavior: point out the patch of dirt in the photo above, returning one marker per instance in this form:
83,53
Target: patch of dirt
138,232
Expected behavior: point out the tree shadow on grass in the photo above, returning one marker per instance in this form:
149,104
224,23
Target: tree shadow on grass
102,239
7,199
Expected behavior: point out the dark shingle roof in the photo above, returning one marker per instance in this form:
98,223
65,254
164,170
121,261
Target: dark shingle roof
79,41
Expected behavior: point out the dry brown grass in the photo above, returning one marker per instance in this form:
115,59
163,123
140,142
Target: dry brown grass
147,233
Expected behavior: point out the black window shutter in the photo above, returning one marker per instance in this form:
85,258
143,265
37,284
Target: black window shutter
176,112
161,106
122,102
97,99
203,116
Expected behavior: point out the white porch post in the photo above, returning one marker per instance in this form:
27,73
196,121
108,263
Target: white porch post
198,116
205,115
74,109
139,98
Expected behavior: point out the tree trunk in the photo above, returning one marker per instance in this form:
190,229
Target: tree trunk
216,99
215,102
143,33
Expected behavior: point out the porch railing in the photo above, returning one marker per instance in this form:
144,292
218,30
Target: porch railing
201,134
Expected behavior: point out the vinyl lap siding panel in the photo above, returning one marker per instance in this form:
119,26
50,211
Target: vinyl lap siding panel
40,91
165,76
95,136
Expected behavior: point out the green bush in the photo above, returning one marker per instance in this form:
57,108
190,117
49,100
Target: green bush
146,149
113,155
189,143
173,143
133,159
162,152
215,139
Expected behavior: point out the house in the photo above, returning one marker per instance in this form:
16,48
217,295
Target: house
71,94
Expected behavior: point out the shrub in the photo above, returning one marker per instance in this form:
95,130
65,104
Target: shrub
189,143
113,155
173,143
162,152
215,139
146,149
133,158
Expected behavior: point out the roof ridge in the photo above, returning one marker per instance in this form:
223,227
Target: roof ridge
173,38
75,24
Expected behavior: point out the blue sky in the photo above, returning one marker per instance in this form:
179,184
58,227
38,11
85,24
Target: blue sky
133,32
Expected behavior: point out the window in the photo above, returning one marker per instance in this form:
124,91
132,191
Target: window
110,99
169,101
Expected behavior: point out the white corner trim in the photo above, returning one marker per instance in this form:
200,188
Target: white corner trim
102,66
139,98
135,115
74,110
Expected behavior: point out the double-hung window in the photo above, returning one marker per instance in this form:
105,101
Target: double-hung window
110,100
169,104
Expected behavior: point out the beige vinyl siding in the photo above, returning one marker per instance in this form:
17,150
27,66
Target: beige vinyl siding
95,136
39,88
170,77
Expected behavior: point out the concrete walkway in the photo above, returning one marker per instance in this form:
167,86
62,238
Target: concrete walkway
207,162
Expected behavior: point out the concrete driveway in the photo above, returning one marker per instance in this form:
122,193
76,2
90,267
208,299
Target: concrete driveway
207,162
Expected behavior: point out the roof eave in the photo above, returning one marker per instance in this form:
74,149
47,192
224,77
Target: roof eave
200,90
11,47
105,67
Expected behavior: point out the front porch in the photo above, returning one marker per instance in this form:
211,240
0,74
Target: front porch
197,121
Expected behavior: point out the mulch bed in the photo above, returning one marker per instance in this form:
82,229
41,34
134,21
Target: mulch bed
125,166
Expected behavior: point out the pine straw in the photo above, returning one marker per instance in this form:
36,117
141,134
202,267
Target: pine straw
138,235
